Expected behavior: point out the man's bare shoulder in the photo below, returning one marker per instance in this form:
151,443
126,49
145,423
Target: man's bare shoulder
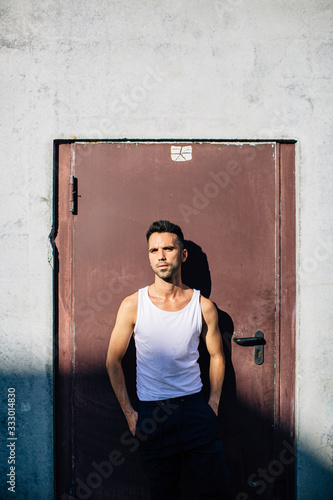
209,316
130,303
207,306
128,310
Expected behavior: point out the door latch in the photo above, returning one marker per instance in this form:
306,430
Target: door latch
74,195
257,341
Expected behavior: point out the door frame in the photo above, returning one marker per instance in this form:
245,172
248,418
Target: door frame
61,237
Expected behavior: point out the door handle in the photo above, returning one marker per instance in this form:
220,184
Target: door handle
257,341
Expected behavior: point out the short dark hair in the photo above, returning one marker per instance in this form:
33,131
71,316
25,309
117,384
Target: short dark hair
165,226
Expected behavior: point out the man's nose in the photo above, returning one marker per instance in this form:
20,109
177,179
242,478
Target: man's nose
161,255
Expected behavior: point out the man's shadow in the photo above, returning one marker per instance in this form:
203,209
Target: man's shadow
196,274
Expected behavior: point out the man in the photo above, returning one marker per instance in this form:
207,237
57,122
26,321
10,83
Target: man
167,319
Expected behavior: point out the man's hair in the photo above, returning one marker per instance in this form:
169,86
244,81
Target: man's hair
165,226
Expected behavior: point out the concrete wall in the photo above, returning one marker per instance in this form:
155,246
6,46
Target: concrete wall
149,69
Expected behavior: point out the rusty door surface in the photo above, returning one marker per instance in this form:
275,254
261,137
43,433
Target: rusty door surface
235,204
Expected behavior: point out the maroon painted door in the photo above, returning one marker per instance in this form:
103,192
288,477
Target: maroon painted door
235,204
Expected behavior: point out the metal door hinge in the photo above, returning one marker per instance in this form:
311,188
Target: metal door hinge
73,195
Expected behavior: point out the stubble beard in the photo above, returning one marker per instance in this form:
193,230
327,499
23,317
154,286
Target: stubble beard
168,273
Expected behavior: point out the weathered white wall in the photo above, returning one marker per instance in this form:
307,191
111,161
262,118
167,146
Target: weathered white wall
150,69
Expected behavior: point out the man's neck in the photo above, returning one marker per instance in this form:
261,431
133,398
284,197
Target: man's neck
168,289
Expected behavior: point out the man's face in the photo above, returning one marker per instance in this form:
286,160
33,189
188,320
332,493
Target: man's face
165,255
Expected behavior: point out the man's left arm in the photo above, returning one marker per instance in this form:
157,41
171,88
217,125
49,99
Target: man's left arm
212,336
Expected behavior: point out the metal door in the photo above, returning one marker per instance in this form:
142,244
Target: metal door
235,204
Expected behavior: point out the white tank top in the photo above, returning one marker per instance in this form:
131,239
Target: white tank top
167,349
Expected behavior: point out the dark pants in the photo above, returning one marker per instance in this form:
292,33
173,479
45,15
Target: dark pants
182,427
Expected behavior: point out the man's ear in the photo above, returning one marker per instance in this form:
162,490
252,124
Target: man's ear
184,255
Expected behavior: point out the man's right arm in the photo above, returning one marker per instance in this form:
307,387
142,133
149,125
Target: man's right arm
119,341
